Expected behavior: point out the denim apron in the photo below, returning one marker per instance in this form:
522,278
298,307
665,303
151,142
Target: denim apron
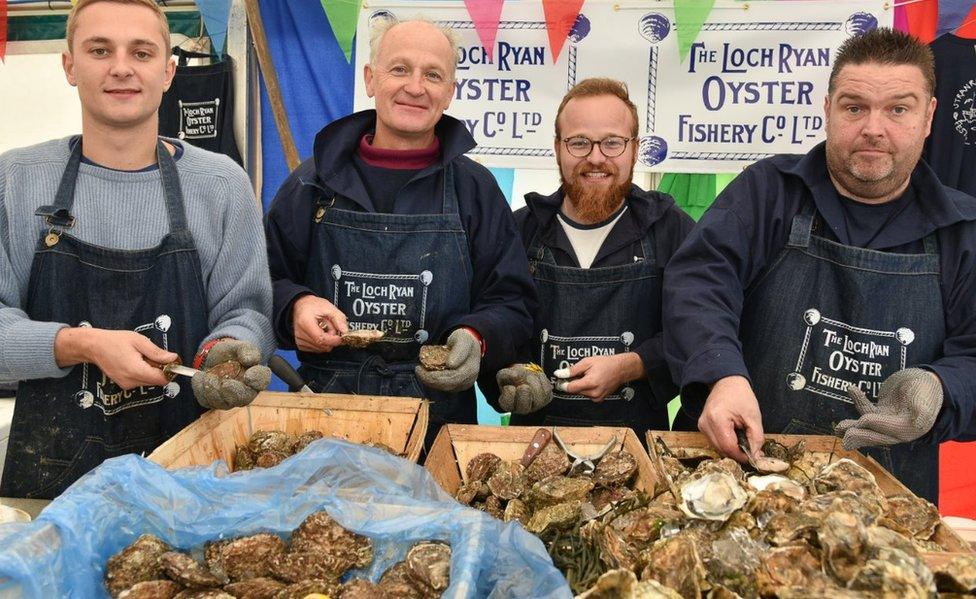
592,312
64,427
827,315
404,274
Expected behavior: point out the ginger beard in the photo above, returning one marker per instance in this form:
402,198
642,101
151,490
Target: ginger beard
595,203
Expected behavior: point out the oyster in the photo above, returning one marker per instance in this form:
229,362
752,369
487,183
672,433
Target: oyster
187,571
622,584
733,560
643,525
396,582
139,562
714,496
551,461
846,475
867,507
517,510
786,528
911,515
795,567
300,590
558,489
769,502
493,506
210,593
302,441
554,517
614,469
320,533
895,574
481,467
270,459
361,589
958,575
361,338
296,566
243,459
605,496
507,481
778,482
429,566
467,492
723,466
843,542
152,589
616,551
434,357
262,441
255,588
675,563
244,558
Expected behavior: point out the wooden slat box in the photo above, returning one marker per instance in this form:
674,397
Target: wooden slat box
944,535
397,422
456,444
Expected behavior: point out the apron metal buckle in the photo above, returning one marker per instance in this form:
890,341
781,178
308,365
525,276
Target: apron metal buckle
322,209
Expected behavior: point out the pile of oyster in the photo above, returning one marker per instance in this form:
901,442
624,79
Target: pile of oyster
823,529
263,566
265,449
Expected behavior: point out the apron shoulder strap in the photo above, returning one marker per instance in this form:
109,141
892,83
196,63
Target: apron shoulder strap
931,244
802,226
648,247
450,203
172,190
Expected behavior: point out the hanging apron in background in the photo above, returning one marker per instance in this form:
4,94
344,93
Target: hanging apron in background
198,108
64,427
407,275
826,315
591,312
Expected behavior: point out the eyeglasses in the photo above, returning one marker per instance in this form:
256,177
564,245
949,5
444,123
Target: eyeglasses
611,147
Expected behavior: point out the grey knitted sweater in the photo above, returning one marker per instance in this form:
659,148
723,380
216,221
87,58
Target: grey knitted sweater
125,210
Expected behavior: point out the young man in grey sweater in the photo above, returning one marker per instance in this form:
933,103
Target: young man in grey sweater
118,250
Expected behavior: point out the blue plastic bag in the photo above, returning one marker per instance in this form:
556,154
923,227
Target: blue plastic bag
395,503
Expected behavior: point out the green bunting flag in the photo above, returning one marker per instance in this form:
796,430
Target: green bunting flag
689,16
343,16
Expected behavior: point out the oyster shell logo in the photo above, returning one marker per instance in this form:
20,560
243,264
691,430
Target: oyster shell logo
381,15
654,27
653,150
580,29
860,22
964,112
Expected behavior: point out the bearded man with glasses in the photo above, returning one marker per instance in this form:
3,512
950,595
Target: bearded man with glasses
597,248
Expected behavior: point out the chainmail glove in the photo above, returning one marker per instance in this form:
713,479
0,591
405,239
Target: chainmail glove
525,388
232,376
907,407
463,364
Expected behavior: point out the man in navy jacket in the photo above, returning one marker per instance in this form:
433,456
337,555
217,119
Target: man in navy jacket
836,291
390,227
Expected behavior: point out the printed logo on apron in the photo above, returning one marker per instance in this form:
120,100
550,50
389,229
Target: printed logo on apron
104,394
562,352
393,303
835,355
198,120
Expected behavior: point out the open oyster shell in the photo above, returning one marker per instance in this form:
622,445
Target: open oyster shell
714,496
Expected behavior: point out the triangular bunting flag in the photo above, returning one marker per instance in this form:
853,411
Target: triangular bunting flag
485,14
3,30
343,15
952,14
560,18
216,14
689,16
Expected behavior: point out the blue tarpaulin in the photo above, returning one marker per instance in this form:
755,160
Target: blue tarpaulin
395,503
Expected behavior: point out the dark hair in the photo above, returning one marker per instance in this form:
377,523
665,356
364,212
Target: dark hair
885,46
599,86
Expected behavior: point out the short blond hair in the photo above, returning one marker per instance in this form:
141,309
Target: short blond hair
380,26
82,4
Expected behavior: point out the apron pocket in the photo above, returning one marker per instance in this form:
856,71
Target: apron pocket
53,473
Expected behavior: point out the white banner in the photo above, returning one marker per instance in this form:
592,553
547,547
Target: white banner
753,84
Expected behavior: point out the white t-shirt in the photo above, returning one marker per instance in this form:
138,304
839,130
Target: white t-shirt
588,239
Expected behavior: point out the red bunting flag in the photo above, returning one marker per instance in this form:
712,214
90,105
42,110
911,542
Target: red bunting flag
485,15
560,18
3,30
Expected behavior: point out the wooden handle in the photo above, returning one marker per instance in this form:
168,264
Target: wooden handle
538,443
170,375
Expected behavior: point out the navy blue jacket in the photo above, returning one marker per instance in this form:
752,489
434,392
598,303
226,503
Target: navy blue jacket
502,292
749,225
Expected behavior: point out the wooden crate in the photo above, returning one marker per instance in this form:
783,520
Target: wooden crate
944,535
397,422
456,444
